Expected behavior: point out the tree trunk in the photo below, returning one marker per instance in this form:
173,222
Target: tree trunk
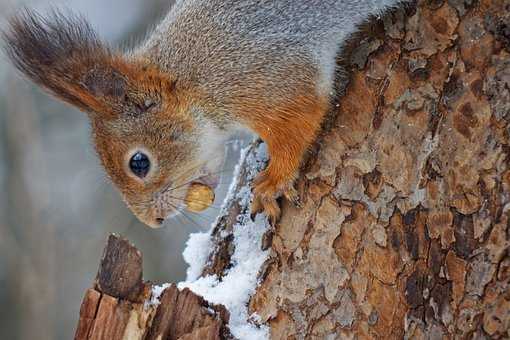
404,230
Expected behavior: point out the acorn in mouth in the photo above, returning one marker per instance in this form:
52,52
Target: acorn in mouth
199,197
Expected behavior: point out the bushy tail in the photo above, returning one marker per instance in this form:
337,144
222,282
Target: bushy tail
62,53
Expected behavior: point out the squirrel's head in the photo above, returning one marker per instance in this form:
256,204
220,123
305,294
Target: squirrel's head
146,142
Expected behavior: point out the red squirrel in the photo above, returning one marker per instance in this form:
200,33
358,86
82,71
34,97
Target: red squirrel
161,112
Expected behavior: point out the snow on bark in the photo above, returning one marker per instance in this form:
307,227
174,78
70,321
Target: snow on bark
235,288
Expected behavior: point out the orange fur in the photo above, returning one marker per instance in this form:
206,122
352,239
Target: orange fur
138,104
140,82
288,133
288,129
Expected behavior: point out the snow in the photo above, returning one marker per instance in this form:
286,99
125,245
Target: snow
155,295
196,254
236,287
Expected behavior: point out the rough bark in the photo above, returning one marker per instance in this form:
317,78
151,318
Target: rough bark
405,229
405,226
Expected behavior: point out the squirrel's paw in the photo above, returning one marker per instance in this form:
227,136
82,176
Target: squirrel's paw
292,195
265,196
268,205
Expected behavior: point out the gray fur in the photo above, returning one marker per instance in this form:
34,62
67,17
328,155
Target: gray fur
228,48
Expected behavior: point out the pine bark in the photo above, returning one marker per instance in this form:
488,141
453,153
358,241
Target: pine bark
404,230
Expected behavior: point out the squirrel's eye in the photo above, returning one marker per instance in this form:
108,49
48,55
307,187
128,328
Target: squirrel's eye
140,164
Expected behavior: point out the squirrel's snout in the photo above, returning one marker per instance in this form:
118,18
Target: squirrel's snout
152,212
153,223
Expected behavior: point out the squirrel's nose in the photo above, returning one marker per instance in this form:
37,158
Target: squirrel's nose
150,218
154,223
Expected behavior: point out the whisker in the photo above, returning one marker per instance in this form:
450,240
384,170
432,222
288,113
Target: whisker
204,219
199,201
192,180
186,216
184,173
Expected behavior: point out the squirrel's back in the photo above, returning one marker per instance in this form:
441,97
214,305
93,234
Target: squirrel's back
266,47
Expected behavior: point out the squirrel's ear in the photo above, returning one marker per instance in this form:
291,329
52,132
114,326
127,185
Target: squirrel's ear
64,55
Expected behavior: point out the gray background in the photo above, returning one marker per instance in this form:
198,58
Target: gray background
56,205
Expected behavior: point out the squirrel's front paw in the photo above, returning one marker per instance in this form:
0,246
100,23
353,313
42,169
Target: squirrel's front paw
266,191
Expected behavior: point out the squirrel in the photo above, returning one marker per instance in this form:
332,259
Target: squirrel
162,111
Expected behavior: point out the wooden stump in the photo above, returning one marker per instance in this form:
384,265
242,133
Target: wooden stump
122,306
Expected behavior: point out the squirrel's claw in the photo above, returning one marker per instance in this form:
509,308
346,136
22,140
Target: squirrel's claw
268,205
266,194
292,196
256,208
264,200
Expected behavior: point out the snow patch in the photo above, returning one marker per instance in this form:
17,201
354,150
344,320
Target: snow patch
236,287
196,254
155,295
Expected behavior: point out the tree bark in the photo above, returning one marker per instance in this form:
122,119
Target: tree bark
404,230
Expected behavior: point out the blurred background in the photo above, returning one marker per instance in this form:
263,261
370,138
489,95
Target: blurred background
56,205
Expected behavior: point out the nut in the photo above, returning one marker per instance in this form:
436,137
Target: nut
199,197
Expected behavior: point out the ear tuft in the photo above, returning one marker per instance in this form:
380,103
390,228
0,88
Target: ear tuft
62,53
